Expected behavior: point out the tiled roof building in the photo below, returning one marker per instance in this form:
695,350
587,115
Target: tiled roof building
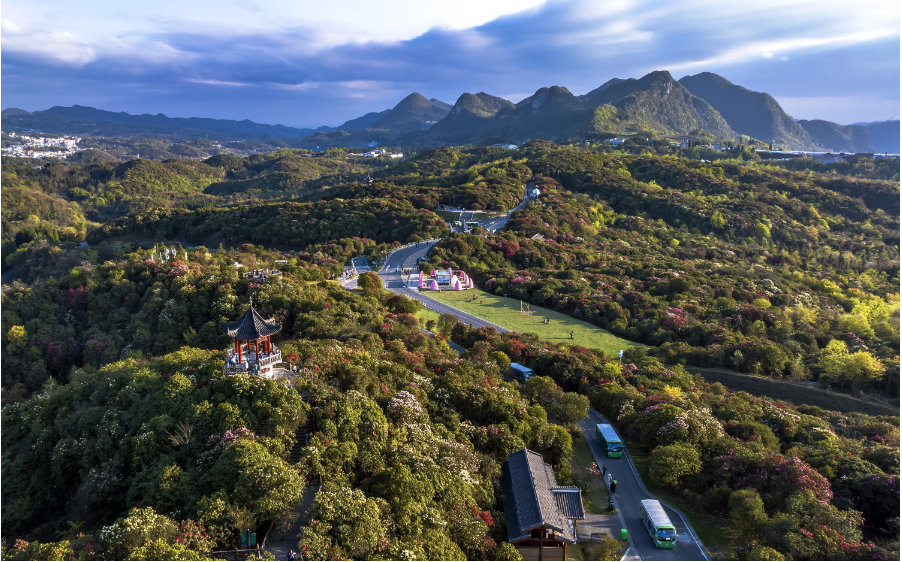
541,516
254,351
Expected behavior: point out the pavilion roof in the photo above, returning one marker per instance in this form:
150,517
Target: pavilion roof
252,326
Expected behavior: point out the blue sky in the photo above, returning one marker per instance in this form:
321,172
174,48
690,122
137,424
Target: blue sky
310,64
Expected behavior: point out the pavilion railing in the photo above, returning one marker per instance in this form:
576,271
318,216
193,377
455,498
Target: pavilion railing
249,360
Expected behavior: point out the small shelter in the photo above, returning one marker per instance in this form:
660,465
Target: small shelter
541,516
254,351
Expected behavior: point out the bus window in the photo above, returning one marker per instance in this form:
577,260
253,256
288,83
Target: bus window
666,533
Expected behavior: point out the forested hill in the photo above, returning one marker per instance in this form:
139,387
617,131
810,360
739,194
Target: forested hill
717,265
291,225
124,439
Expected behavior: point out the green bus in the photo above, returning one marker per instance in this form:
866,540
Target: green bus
607,438
658,524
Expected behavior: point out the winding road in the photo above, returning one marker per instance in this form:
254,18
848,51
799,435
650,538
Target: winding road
631,491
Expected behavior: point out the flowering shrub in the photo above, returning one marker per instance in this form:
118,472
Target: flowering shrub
220,442
404,408
194,536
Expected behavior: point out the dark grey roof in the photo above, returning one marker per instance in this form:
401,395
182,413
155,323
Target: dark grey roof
570,501
251,326
528,484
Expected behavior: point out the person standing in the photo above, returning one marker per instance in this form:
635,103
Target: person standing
604,469
613,485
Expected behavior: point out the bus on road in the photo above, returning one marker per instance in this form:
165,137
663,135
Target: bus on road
658,524
607,438
520,372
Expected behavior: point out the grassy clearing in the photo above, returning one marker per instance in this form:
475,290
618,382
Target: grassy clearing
450,216
711,530
424,315
595,496
611,550
505,312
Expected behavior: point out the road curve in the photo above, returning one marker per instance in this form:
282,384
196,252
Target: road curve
407,258
631,491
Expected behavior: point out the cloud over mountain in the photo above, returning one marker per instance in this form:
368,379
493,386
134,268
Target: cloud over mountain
310,75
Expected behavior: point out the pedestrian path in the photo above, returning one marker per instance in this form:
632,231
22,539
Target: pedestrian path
286,538
595,526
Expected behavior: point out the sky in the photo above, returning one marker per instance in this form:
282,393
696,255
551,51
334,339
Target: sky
305,63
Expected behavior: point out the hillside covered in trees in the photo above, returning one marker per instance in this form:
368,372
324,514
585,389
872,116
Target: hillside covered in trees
123,439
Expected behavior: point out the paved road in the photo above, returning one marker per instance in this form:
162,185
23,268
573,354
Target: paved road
360,264
498,223
630,492
394,282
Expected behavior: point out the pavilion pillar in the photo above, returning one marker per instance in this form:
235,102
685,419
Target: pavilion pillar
238,344
541,543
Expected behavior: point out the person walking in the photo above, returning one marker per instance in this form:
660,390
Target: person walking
613,485
604,469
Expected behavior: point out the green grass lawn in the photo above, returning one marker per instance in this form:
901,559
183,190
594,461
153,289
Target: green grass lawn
595,496
491,307
711,529
424,315
450,216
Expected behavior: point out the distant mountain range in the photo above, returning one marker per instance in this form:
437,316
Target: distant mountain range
83,120
703,104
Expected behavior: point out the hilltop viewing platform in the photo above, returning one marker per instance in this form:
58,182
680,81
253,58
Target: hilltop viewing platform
254,352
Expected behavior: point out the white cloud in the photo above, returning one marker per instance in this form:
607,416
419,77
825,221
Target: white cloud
754,49
210,82
59,47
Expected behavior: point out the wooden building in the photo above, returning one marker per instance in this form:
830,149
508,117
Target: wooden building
541,516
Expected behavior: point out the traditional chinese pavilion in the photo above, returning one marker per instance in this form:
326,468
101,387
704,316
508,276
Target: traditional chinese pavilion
253,352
